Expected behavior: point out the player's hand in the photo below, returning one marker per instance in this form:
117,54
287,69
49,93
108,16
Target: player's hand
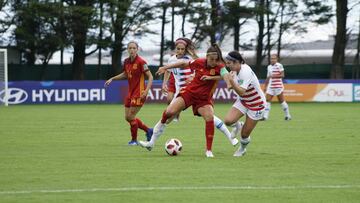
161,70
107,83
233,74
205,77
189,79
164,88
144,94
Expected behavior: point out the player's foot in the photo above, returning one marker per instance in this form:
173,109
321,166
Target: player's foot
146,145
149,134
240,152
234,142
209,154
287,118
236,129
133,143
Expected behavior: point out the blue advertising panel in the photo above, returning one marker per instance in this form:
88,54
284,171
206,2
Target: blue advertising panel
73,92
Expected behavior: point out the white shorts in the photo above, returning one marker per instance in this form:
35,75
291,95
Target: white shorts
274,91
254,115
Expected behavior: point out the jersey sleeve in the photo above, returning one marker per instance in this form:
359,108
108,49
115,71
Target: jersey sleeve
281,67
245,78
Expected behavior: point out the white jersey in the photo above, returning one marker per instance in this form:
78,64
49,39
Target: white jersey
180,74
275,70
254,98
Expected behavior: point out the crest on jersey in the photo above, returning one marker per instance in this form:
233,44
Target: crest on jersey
240,82
135,66
212,71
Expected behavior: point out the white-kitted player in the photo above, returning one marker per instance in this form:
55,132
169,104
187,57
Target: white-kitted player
274,86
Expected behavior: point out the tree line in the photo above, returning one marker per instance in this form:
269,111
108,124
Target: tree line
43,27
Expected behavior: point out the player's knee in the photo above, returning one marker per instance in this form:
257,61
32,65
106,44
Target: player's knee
228,122
129,118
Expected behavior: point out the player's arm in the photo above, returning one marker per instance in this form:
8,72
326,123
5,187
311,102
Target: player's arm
149,83
226,76
209,77
236,87
116,77
180,64
281,75
165,81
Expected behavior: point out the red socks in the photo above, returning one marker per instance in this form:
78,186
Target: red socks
164,117
209,133
141,125
133,128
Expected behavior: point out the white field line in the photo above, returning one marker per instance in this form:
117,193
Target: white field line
126,189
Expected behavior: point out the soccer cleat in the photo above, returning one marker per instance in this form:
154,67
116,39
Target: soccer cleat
240,152
146,145
209,154
133,143
236,130
234,142
149,134
287,118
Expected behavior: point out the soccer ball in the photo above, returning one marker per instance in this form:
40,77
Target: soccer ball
173,147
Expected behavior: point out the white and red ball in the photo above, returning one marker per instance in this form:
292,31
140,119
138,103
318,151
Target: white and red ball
173,147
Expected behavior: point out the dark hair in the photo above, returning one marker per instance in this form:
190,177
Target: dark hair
137,45
215,48
190,47
235,56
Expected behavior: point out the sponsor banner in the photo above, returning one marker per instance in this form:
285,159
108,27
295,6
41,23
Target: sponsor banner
357,92
334,92
34,92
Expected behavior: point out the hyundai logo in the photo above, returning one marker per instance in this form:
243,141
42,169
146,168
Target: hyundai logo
15,96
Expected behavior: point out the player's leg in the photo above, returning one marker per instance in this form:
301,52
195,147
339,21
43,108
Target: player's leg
267,106
219,124
207,112
284,106
249,125
130,113
174,108
233,116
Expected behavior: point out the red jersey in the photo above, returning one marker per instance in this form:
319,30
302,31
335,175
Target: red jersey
203,89
135,71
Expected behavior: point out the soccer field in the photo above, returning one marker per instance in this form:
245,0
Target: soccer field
79,153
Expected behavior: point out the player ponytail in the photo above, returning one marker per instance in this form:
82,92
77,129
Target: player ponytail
215,49
235,56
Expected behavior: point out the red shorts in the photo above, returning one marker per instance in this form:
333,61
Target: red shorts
194,101
171,83
134,102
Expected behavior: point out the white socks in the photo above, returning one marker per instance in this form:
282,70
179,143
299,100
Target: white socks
285,108
267,110
244,142
158,131
222,127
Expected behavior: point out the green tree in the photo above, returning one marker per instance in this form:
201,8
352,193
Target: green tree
338,58
126,15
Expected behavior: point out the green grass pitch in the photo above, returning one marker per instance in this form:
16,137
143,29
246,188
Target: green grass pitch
79,153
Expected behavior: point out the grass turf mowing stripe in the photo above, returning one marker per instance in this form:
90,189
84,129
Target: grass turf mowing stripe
126,189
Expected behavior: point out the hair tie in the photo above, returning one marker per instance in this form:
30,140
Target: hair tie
180,41
228,57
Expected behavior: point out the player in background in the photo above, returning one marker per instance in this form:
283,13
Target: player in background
185,50
198,94
135,70
274,87
250,101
